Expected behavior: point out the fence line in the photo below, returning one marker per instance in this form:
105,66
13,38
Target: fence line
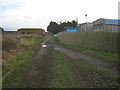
105,41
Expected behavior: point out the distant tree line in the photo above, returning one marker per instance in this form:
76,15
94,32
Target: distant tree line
1,29
55,28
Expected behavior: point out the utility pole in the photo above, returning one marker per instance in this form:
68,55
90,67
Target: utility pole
86,21
77,20
86,17
65,21
57,22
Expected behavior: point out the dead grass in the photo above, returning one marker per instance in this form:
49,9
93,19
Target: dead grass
11,46
9,43
26,43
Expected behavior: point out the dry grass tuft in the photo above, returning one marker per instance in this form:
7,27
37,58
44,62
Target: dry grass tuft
12,46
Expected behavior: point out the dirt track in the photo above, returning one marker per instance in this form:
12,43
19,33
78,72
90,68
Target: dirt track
39,74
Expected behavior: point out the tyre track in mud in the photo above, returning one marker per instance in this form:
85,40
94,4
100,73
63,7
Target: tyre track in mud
77,72
39,73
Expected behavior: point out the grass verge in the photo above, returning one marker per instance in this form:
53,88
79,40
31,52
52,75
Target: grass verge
63,77
96,76
17,66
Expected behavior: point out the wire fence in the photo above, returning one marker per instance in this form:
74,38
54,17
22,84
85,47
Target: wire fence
105,41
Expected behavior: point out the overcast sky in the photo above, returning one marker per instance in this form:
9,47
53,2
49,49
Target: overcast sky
16,14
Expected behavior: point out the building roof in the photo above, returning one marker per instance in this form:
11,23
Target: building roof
112,21
30,29
107,21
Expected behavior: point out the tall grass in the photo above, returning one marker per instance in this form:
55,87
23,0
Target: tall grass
12,46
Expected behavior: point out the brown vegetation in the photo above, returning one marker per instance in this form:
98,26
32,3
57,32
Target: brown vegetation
12,46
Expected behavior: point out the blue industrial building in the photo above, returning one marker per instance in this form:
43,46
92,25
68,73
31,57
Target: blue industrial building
106,25
71,28
112,21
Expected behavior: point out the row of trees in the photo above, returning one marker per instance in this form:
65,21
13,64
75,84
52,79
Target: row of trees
55,28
